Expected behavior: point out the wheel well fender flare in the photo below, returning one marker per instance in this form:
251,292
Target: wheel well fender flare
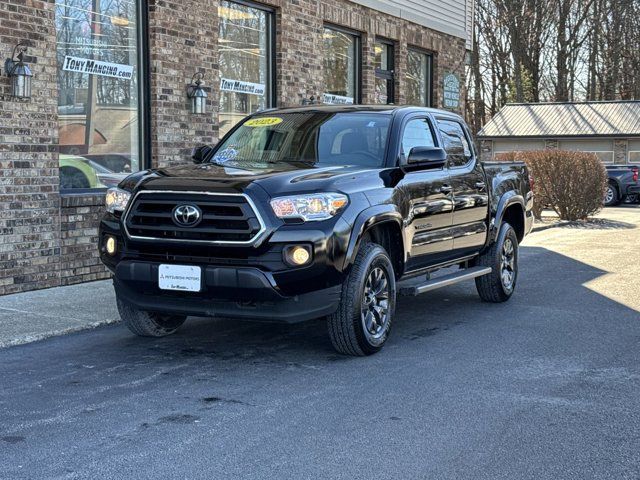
507,200
367,219
615,182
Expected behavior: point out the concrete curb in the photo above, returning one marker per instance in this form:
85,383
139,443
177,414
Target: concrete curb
541,227
37,337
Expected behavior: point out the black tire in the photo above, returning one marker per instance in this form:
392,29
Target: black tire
611,196
347,329
148,324
494,287
71,178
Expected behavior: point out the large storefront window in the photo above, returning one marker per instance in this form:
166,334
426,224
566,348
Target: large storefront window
99,100
341,67
245,47
418,78
384,79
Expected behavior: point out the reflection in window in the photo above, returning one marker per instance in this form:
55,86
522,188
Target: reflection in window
455,143
418,79
244,62
340,67
98,81
384,77
417,133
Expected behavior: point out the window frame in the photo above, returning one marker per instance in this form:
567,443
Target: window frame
426,119
633,162
466,137
389,74
271,80
429,77
357,59
396,157
143,58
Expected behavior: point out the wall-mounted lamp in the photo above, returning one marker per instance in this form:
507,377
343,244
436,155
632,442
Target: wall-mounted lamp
19,73
197,94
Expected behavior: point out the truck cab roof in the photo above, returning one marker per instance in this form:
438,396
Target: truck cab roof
384,109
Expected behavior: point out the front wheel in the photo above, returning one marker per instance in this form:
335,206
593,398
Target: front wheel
502,257
148,324
362,322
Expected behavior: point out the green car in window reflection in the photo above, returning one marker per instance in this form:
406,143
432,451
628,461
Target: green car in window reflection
77,172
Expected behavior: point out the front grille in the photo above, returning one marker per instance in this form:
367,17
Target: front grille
225,218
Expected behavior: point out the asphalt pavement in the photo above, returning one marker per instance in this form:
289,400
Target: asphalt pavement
545,386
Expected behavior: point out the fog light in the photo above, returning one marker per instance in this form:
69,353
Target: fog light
110,245
297,255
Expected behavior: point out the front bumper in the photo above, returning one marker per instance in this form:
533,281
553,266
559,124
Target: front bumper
247,293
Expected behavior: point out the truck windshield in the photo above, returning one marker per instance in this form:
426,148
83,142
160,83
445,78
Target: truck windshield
351,138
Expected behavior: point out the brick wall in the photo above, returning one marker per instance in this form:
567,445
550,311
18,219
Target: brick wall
80,215
47,240
29,199
182,40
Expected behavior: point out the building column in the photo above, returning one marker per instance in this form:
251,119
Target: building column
620,149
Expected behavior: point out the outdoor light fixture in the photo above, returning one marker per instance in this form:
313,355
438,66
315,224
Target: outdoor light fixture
19,73
197,94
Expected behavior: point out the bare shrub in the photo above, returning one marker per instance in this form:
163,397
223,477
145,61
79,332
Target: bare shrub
571,183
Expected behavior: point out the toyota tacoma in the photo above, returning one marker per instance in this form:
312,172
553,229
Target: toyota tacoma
320,211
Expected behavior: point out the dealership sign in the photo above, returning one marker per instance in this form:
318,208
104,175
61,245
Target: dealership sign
239,86
336,99
451,91
96,67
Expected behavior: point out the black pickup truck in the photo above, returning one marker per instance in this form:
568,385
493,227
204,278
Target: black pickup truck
317,211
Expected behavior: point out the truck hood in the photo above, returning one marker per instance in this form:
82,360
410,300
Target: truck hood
275,179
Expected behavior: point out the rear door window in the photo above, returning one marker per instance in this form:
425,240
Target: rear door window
456,144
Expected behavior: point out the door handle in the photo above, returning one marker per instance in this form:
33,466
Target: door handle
446,189
480,185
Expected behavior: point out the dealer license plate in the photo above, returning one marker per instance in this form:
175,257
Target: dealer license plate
184,278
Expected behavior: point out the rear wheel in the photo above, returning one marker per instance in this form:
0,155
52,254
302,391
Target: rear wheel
611,196
362,323
148,324
502,257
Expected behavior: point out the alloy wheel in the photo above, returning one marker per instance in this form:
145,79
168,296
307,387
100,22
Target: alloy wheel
508,265
375,304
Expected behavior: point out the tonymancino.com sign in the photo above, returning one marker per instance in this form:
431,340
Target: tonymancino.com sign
238,86
96,67
332,99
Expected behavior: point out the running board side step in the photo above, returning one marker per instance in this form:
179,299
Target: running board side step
445,280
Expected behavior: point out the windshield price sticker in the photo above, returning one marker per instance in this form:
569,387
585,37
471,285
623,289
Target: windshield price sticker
96,67
239,86
263,122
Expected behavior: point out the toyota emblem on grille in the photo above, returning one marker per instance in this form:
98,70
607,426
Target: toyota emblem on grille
187,215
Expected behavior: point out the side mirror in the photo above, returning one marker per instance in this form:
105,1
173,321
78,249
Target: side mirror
200,154
432,157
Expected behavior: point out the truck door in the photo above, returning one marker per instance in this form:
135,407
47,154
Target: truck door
470,197
426,195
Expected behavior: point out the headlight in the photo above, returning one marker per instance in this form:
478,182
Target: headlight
117,200
312,207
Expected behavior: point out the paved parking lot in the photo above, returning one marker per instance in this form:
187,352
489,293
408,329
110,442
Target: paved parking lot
545,386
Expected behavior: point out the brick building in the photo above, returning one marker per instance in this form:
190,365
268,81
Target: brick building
110,96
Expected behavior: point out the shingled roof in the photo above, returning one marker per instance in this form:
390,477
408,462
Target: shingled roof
619,119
